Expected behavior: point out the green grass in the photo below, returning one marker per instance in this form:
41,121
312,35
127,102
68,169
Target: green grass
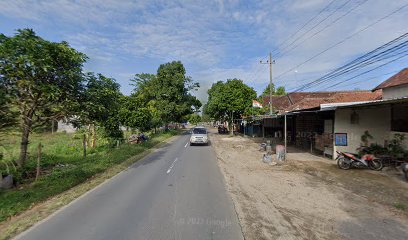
61,149
400,206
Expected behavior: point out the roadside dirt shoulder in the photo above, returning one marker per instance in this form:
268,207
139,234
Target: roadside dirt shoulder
306,199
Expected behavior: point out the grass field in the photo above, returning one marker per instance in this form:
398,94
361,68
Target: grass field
62,166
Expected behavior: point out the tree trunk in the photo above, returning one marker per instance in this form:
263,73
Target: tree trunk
26,129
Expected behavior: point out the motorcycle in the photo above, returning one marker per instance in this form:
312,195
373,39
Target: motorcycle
347,160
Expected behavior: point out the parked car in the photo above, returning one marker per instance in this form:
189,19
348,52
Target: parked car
199,136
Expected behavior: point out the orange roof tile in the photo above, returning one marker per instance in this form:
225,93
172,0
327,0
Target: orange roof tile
308,100
400,78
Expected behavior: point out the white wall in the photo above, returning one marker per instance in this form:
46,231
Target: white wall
395,92
377,120
65,127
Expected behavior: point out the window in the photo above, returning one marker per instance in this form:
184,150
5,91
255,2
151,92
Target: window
399,118
199,131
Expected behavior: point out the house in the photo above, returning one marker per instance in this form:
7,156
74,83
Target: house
396,86
324,122
308,100
308,127
382,119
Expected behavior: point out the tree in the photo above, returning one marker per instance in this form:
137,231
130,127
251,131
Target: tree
229,99
40,77
167,94
254,111
99,105
194,119
135,114
275,92
8,114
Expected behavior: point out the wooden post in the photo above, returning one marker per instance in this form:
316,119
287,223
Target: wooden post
93,136
37,175
84,144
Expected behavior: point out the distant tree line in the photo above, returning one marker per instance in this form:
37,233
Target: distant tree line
43,81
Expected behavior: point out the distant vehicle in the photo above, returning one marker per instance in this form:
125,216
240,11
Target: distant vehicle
199,136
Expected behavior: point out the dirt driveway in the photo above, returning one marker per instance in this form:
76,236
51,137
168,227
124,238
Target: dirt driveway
307,197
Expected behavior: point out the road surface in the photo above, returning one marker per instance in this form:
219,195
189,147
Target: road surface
176,192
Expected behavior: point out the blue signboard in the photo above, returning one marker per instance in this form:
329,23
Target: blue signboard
340,139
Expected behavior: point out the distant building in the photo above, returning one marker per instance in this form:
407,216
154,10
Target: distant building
63,126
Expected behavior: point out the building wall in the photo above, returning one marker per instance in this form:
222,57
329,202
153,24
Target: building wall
65,127
377,121
395,92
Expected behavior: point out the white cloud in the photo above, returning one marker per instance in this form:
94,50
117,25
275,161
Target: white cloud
218,39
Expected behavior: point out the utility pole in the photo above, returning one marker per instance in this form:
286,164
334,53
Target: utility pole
270,81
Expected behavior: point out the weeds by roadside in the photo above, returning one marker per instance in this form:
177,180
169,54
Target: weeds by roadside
63,167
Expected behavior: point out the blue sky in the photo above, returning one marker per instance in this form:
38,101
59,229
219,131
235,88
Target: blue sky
215,39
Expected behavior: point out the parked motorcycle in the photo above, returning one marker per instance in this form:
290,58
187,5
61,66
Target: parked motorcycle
347,160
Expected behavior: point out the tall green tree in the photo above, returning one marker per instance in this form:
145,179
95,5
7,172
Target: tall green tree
172,91
99,106
135,114
194,119
40,77
168,93
229,99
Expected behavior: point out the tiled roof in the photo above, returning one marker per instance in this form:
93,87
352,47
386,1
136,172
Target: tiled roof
308,100
400,78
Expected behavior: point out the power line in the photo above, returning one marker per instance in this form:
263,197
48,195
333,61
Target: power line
366,79
316,25
282,43
382,65
342,41
376,58
324,28
376,54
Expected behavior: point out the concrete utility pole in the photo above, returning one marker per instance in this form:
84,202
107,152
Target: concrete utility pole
270,81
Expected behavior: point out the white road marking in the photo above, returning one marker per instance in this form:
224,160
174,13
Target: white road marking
171,166
186,144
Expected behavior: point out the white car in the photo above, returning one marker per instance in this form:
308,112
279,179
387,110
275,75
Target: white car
199,136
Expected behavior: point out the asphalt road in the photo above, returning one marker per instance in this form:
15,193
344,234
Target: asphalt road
176,192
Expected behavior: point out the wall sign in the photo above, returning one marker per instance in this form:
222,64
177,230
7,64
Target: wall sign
340,139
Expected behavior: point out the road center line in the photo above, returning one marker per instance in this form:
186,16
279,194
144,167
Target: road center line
171,166
186,145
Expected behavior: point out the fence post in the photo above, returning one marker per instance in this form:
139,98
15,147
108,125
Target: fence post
37,175
84,144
